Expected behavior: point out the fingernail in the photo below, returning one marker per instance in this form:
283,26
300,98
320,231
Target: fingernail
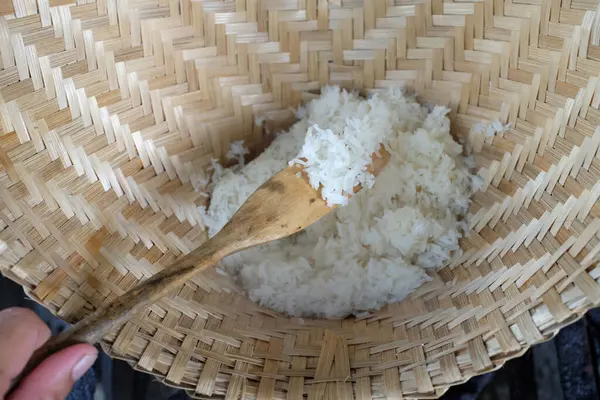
83,365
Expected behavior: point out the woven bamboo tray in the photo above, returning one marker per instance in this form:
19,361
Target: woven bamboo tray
112,110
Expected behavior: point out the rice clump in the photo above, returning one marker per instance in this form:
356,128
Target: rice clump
378,248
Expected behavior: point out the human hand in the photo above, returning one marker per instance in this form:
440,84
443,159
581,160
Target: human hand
21,333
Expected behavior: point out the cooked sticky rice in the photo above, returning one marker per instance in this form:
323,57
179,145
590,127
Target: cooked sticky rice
379,246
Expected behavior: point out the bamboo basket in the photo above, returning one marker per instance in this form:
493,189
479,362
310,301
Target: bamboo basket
111,111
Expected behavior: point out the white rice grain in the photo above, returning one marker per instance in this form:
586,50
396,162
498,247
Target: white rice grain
377,248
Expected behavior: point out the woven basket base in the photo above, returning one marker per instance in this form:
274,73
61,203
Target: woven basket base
112,110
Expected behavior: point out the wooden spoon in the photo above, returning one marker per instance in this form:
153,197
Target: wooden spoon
282,206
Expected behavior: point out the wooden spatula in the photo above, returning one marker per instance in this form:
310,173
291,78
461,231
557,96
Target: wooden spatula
282,206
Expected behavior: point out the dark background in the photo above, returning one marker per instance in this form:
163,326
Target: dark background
565,368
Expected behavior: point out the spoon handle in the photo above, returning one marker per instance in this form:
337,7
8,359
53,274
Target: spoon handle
95,326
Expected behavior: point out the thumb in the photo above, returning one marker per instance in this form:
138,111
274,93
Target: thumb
55,376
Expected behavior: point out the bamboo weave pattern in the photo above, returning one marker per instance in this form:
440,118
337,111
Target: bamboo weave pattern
111,111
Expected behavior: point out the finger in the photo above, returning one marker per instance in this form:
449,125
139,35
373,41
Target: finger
55,376
21,333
